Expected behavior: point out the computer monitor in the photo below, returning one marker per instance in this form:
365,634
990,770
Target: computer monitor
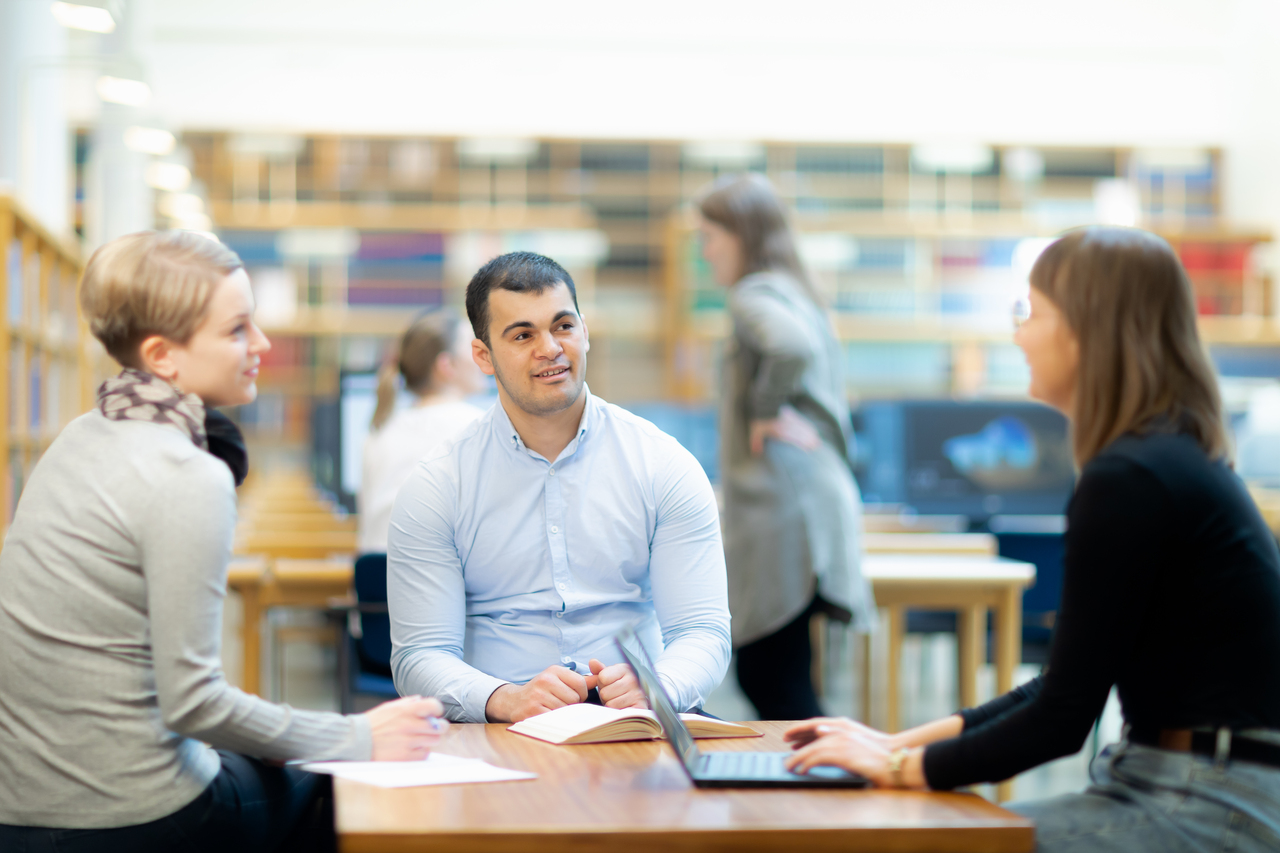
350,420
970,458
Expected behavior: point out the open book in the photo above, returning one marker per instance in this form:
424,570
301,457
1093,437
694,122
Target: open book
597,724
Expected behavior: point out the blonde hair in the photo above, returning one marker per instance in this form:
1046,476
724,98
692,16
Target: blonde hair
1142,366
422,345
748,207
151,283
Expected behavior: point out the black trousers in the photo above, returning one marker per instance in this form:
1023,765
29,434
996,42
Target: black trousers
249,807
774,671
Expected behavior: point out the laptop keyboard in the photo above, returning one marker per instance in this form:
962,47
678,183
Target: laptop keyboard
745,765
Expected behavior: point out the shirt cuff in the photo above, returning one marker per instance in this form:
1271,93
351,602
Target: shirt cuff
478,697
362,736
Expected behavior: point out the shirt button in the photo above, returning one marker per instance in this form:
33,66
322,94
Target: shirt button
552,472
559,615
555,529
562,586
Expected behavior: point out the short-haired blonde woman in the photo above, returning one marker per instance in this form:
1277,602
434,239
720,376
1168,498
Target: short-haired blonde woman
434,358
1171,587
118,729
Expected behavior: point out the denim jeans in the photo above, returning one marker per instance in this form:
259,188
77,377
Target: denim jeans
249,807
1146,799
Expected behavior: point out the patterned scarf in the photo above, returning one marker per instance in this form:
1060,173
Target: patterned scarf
136,395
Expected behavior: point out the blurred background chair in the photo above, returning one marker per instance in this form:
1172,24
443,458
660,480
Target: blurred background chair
364,653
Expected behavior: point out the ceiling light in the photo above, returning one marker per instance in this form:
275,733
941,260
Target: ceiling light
118,90
497,151
962,158
79,16
171,177
181,205
727,154
149,140
199,223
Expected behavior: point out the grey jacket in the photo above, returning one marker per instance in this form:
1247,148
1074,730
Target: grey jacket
793,518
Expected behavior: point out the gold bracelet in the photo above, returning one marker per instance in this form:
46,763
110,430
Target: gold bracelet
896,759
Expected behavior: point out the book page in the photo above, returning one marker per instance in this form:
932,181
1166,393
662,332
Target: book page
572,720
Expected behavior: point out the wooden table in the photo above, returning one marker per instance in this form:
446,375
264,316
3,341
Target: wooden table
968,585
634,797
264,584
951,544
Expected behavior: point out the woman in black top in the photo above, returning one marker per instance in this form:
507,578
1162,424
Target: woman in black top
1171,586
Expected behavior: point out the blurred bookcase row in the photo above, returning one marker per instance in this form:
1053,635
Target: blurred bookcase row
924,307
51,364
919,249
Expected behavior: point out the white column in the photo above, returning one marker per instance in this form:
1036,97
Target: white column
117,198
35,150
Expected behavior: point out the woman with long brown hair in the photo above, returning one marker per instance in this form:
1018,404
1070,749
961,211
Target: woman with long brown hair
792,514
1171,586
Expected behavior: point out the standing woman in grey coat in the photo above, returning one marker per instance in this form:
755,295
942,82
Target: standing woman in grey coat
793,515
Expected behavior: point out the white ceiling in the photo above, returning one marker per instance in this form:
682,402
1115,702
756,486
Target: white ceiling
1094,71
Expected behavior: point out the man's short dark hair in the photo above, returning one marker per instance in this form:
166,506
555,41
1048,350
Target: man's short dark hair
518,272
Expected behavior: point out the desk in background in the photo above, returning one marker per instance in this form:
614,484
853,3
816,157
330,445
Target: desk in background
263,584
634,796
968,585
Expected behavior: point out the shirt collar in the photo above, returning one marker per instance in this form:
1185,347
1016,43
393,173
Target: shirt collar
506,433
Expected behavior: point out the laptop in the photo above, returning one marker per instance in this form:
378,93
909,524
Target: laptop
722,769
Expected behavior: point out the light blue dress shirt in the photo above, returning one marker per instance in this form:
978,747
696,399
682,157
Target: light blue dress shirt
502,563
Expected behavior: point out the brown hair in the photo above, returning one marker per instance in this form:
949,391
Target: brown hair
151,283
748,208
422,344
1142,367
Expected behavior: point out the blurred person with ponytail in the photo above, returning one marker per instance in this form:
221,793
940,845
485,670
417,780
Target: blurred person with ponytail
792,512
434,358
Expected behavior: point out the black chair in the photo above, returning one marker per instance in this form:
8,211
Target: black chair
364,655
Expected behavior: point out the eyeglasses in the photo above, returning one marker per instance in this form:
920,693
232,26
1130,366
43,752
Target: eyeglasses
1021,312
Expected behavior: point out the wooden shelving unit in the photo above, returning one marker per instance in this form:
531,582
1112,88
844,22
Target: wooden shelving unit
965,347
48,375
649,341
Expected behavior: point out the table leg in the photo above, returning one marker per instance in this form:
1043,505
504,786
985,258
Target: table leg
866,678
971,643
1008,656
251,640
897,629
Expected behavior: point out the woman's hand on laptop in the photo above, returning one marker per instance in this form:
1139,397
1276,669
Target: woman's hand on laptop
867,753
802,734
617,685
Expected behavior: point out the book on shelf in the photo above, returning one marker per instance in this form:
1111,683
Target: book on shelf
598,724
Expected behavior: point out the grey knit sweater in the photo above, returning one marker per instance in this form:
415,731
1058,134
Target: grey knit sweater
112,580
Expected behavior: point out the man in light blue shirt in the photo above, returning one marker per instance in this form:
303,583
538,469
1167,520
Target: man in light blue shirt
520,547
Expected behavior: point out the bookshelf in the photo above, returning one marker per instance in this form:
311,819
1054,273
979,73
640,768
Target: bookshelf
48,377
922,304
911,245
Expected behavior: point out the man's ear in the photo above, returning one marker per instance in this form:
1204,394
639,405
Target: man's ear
155,354
482,357
586,336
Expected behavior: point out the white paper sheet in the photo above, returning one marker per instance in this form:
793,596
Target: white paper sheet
437,769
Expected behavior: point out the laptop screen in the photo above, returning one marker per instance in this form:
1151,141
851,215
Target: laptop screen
672,726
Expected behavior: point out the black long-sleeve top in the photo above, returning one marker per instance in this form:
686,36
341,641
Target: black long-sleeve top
1171,592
